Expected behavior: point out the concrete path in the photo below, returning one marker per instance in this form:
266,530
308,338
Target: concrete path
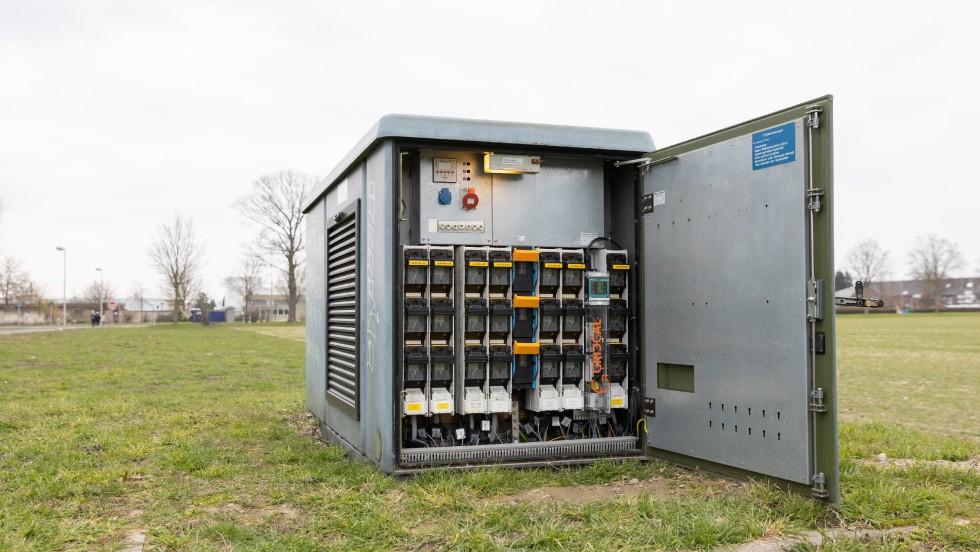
12,330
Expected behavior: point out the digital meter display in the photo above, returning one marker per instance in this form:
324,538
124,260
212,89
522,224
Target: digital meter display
599,288
444,170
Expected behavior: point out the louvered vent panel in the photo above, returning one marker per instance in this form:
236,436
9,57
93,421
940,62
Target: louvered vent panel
342,338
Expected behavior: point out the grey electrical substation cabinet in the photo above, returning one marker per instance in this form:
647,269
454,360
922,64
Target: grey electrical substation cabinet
491,293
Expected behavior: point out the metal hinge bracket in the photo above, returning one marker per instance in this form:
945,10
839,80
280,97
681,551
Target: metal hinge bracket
813,116
819,488
816,400
814,300
645,162
642,161
814,195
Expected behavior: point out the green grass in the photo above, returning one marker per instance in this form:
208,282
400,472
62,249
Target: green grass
921,371
197,438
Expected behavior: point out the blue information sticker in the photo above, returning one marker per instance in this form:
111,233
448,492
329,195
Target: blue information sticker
774,146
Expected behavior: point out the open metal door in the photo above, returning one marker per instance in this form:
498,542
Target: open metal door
736,234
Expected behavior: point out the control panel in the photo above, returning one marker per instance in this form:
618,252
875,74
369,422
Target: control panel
454,199
533,201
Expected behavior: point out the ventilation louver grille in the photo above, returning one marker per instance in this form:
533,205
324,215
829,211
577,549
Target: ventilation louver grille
520,452
342,335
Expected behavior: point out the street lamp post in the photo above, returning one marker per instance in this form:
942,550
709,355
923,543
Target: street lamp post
101,294
64,286
272,301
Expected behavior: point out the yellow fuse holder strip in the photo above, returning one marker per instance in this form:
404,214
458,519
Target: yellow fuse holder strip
621,267
416,262
503,264
444,263
521,302
577,266
479,263
414,407
617,401
553,265
526,348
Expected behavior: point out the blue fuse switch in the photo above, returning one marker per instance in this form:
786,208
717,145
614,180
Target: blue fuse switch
445,196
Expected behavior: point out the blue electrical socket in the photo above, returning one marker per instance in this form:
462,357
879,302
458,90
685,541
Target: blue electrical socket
445,197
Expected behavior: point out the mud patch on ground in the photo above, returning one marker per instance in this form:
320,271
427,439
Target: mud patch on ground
281,516
655,487
305,424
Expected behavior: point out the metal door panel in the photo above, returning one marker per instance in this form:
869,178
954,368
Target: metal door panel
725,271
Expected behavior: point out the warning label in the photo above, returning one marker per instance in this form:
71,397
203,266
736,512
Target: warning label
774,146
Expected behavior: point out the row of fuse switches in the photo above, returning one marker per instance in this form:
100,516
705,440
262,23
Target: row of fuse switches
483,323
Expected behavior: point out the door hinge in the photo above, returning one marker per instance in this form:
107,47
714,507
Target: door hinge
819,488
814,300
816,400
813,116
813,196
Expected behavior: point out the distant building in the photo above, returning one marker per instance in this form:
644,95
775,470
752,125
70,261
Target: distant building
912,295
218,315
222,314
275,308
149,309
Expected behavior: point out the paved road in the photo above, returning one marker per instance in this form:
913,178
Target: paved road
34,329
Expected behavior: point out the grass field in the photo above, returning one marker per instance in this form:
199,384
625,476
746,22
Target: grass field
196,439
921,371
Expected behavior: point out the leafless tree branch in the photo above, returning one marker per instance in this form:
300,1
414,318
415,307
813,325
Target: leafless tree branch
275,203
246,281
933,260
868,261
176,256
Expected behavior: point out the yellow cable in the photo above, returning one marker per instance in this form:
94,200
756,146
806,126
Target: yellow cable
644,422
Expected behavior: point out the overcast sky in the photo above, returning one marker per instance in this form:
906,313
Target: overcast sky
115,115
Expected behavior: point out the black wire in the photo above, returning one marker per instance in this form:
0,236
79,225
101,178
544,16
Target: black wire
588,248
603,238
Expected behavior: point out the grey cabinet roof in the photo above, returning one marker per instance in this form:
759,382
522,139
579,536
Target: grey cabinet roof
487,132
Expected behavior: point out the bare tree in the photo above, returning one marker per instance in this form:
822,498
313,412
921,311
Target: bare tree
176,255
868,261
98,293
932,260
16,287
139,291
12,278
246,282
276,204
